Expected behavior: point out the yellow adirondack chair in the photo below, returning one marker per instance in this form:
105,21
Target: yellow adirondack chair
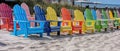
111,15
51,15
80,17
54,23
116,20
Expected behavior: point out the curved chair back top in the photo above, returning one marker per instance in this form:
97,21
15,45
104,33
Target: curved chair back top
6,11
94,14
111,14
19,15
39,13
99,15
26,8
88,14
65,14
51,15
78,15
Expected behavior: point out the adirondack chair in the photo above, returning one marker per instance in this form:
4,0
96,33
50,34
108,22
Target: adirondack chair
25,29
110,20
109,23
6,17
90,22
101,21
115,18
97,16
79,17
26,8
51,16
40,15
66,21
118,12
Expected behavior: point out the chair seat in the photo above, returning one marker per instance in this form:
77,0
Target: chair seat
55,28
35,28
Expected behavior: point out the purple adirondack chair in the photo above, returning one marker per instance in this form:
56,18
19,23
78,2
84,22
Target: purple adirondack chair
118,12
6,17
98,14
26,8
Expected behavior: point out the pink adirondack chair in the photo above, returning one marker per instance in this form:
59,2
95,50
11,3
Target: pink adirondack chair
6,17
118,12
26,8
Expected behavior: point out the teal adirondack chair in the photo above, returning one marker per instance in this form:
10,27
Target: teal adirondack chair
25,29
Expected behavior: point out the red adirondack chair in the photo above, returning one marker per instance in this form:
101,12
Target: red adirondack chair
66,21
26,8
6,17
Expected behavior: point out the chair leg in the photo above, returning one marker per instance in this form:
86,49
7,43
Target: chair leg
26,34
93,30
99,30
105,29
48,34
41,35
58,33
0,27
117,27
7,27
80,31
70,32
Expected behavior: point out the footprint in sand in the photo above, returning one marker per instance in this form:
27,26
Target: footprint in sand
2,44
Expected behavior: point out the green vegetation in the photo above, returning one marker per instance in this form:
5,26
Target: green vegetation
44,5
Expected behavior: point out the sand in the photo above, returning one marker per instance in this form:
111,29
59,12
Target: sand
88,42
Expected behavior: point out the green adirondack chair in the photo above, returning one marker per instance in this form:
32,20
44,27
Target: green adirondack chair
90,22
104,20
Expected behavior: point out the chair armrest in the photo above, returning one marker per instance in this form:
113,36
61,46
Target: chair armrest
59,22
90,22
53,21
80,22
4,18
67,21
42,23
36,21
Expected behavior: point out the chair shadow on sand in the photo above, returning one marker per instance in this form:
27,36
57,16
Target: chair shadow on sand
54,37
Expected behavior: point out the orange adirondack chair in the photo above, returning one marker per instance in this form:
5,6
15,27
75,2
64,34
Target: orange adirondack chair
26,8
6,17
66,21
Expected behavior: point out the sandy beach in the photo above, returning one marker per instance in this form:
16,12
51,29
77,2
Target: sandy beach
88,42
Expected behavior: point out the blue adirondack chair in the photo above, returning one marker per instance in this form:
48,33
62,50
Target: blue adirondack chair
98,22
25,29
40,15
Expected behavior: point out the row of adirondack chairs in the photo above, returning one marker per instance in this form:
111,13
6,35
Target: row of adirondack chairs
23,23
